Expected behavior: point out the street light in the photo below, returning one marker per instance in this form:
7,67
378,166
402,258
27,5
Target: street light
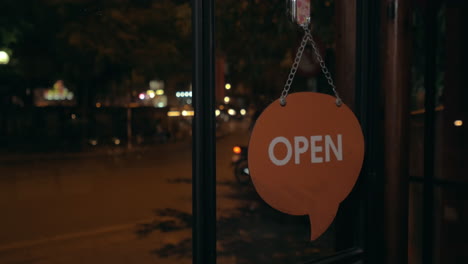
227,99
151,93
4,57
227,86
458,123
232,112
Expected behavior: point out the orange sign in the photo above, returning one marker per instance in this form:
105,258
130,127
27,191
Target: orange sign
305,157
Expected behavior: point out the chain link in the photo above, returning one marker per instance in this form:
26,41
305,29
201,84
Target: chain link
293,70
308,37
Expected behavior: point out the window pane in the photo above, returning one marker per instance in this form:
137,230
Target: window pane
451,129
416,147
449,143
415,223
451,140
257,45
95,127
451,229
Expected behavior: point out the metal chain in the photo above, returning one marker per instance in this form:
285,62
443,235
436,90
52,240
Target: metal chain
308,37
293,70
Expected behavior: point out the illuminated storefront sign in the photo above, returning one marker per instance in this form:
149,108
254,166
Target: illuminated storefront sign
59,94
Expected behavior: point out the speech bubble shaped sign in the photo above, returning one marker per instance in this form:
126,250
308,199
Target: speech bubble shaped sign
304,158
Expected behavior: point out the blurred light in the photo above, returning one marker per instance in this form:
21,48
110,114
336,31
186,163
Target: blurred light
243,112
116,141
93,142
156,84
98,105
227,99
160,104
73,116
187,113
246,171
4,57
189,101
49,96
232,112
237,150
173,113
151,93
184,94
141,96
217,112
227,86
159,92
458,123
221,107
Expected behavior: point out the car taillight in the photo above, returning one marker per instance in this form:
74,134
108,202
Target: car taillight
237,150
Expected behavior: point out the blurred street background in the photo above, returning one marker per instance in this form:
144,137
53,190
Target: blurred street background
120,206
96,113
96,128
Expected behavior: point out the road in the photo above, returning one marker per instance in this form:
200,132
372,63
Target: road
88,208
135,207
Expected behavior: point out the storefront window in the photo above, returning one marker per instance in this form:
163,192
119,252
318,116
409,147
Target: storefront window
95,141
436,189
249,230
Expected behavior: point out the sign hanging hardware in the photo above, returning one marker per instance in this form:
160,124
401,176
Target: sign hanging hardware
306,39
309,166
298,10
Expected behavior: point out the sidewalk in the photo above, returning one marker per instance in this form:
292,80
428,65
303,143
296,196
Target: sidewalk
226,129
92,152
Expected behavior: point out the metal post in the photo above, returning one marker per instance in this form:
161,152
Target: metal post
204,151
345,21
430,37
345,77
368,109
129,127
396,88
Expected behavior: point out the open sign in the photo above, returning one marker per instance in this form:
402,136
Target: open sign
301,146
305,157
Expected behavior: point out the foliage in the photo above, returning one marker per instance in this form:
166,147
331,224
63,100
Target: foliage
118,46
99,44
259,41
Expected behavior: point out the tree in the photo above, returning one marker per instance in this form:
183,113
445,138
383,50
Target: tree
99,46
114,47
129,42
